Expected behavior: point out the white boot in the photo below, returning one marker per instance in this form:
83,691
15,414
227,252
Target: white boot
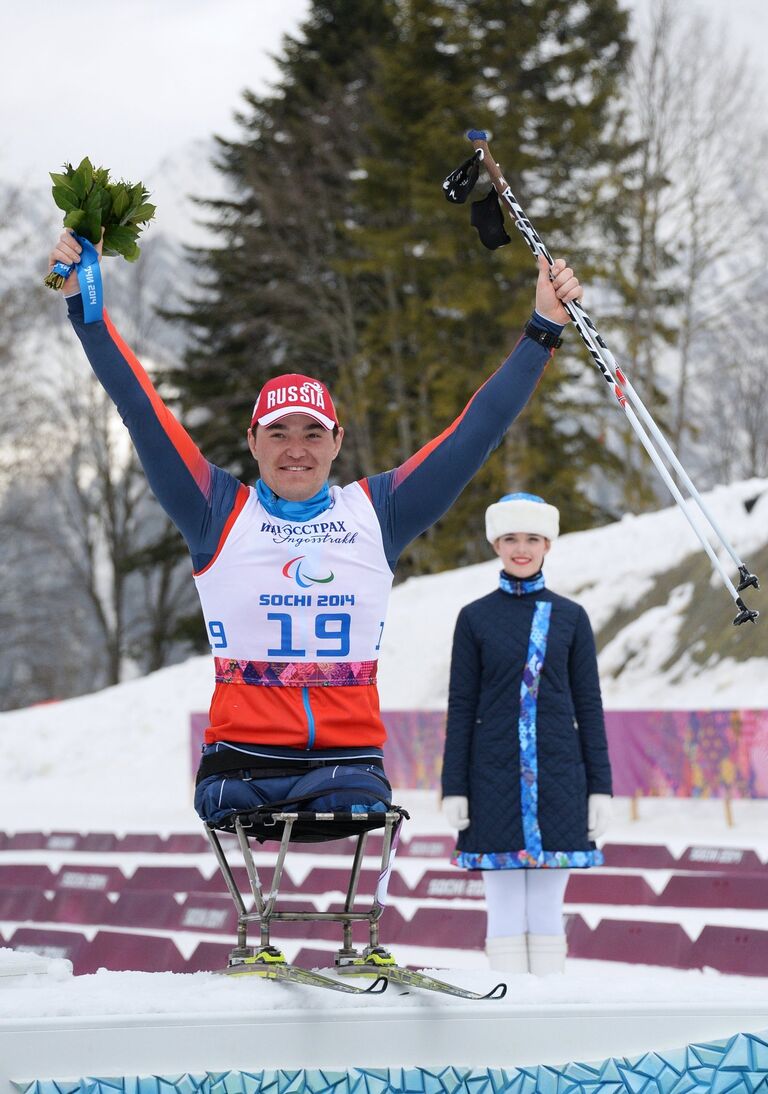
546,953
508,954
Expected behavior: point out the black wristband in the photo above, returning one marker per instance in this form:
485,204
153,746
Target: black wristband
543,337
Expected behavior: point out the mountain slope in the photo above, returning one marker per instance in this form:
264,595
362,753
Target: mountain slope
662,621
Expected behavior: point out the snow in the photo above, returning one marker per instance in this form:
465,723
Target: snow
607,570
115,760
56,993
118,760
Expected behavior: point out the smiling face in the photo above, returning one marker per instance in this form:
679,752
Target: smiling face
521,553
294,455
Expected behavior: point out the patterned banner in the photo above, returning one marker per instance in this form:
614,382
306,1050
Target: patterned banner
689,754
665,753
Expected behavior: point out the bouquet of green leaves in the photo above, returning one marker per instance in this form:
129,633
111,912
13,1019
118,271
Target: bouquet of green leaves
91,202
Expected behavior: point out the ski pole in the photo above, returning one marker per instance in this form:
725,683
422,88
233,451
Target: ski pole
624,392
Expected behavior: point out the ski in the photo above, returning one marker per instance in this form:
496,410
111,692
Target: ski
271,965
381,964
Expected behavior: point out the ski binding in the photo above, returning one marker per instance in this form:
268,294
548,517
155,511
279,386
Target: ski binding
270,964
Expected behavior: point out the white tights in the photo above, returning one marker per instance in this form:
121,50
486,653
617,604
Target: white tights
525,901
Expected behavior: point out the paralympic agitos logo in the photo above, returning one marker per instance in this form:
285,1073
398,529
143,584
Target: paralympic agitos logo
293,569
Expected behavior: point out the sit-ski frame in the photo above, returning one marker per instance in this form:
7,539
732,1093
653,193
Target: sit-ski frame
260,824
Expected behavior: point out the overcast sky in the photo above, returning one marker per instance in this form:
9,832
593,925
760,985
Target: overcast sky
129,84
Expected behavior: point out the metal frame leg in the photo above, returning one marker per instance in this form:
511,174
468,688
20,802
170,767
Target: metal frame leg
264,912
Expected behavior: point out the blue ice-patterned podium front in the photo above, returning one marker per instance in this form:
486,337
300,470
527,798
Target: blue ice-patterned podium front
738,1065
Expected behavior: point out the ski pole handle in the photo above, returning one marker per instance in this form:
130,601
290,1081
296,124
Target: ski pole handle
582,322
479,140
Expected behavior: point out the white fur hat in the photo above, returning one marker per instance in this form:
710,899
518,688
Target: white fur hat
521,513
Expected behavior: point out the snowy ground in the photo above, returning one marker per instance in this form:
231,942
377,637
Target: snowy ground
53,992
608,570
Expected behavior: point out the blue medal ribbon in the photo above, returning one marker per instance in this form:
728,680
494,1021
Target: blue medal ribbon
89,278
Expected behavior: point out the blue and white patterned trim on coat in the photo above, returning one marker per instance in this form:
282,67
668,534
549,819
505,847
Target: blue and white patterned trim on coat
522,860
529,698
521,586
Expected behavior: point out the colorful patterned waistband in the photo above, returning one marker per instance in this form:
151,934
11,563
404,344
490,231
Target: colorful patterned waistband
296,674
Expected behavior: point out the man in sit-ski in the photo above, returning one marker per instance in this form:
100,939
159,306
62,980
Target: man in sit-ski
294,574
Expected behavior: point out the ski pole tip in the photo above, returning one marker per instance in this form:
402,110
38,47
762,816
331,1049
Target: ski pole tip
748,580
746,615
477,135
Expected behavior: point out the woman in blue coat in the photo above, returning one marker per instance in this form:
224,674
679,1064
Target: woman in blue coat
526,774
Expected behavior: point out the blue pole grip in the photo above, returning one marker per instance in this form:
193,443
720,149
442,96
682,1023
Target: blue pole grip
477,135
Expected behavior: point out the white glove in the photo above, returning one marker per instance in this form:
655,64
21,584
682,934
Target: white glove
599,813
456,811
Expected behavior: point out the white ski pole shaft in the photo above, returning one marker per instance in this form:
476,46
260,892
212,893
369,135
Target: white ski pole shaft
661,440
604,360
591,335
577,314
672,486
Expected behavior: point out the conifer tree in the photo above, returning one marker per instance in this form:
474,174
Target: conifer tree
339,256
271,294
542,77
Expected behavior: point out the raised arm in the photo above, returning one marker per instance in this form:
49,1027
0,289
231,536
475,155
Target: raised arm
196,495
410,498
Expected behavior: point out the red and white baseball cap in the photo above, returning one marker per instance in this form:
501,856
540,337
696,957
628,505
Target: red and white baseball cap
293,393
